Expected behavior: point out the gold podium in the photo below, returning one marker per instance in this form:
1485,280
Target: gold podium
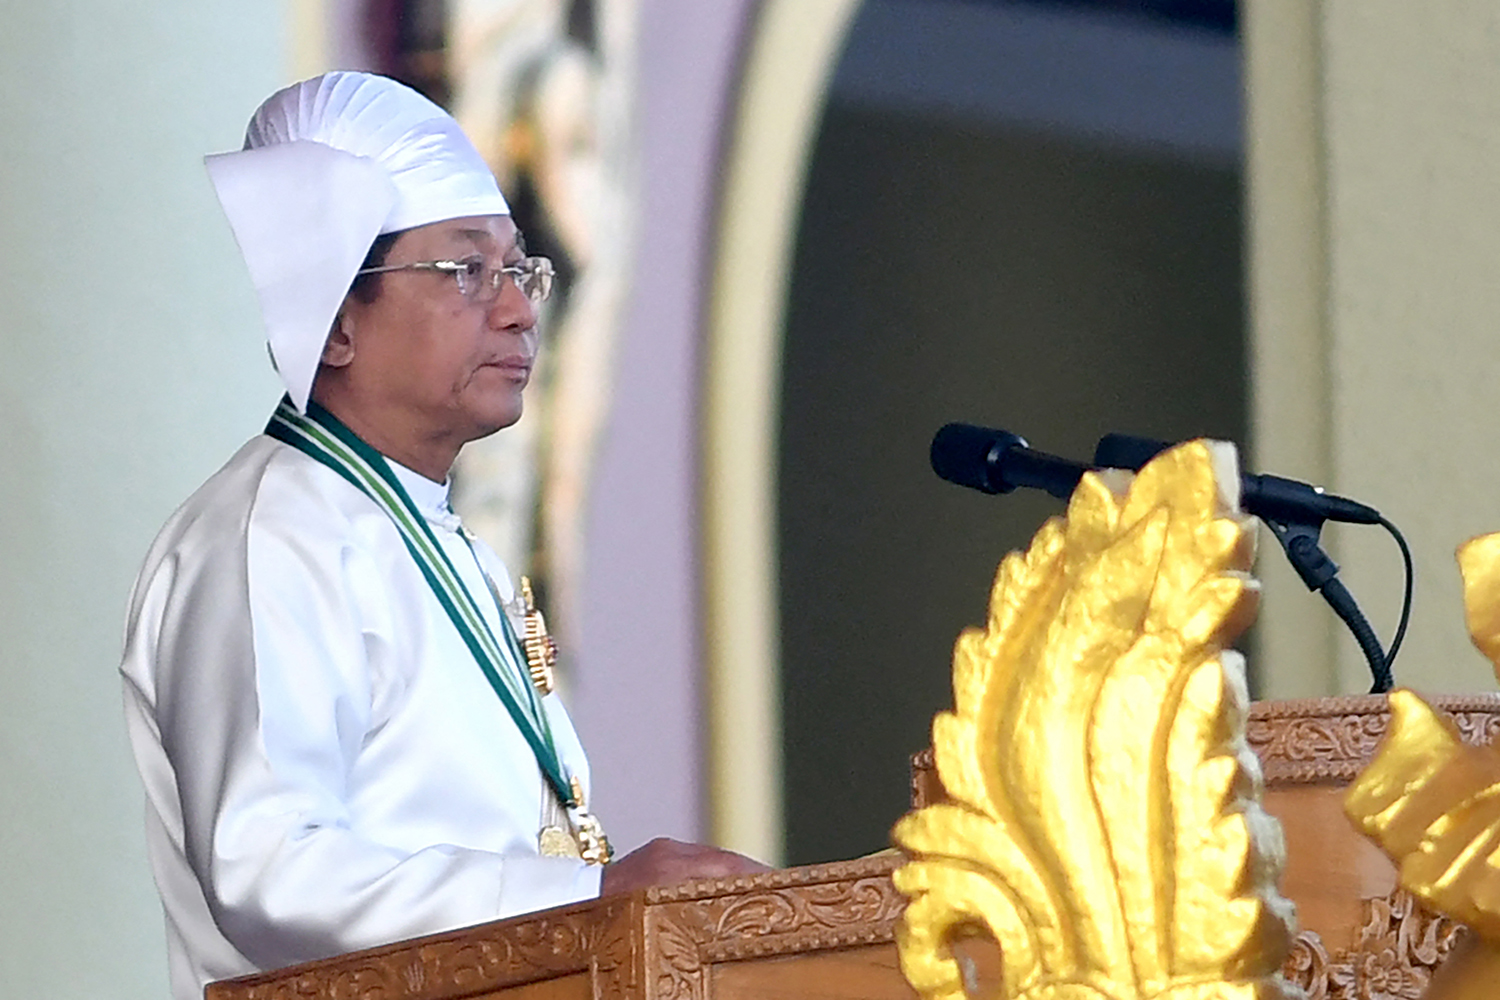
826,931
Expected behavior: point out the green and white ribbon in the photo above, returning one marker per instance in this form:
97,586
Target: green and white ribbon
321,436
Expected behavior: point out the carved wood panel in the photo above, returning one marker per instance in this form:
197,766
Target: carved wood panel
1330,740
1400,946
594,939
822,907
659,943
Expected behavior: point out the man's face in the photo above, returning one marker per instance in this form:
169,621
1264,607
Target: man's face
423,353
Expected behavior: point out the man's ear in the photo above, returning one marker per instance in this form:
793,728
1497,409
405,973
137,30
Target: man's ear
338,350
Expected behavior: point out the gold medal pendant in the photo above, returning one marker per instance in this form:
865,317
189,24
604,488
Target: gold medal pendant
555,839
593,845
573,832
555,842
541,650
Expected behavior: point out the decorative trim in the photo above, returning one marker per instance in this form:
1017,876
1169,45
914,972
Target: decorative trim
617,965
593,938
824,907
687,928
1398,949
1317,741
786,878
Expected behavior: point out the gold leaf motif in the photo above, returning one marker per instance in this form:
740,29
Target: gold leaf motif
1431,802
1105,827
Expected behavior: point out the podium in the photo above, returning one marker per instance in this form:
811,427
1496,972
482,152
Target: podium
819,931
827,931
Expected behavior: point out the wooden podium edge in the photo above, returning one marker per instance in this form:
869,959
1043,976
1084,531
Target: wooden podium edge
1316,741
1305,741
690,925
461,962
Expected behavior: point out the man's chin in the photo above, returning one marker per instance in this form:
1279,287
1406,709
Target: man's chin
494,422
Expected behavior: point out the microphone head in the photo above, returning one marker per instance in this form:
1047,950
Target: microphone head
969,456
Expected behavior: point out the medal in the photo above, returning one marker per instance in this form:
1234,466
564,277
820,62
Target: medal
593,845
555,842
574,832
541,650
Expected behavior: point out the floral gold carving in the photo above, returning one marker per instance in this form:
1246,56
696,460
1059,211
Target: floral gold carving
1430,800
1104,824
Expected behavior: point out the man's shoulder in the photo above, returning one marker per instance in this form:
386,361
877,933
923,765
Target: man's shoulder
268,502
266,487
220,508
200,548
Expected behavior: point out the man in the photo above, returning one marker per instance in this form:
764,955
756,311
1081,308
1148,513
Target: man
328,703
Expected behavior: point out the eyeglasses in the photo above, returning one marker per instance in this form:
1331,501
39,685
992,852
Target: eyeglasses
480,283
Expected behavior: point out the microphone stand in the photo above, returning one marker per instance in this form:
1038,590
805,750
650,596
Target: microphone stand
1298,534
1299,539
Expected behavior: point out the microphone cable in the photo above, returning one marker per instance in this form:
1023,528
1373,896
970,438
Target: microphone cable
1390,657
1343,604
1285,509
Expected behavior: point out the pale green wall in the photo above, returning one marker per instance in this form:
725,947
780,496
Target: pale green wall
132,366
1374,172
1412,133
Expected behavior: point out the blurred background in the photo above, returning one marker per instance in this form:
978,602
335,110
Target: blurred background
798,237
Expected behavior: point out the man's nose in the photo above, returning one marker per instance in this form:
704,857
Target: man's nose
512,309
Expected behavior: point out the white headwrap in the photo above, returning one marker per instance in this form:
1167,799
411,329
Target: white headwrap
328,165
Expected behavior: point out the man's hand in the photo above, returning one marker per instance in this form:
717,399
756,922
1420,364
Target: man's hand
665,860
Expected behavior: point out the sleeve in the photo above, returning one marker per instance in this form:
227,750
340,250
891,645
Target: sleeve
268,703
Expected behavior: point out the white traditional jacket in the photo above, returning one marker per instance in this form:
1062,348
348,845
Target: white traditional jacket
326,768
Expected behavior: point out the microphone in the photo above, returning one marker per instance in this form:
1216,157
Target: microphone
1271,498
995,461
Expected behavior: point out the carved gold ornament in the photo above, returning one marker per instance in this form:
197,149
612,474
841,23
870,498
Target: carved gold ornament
541,650
1105,827
1432,802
